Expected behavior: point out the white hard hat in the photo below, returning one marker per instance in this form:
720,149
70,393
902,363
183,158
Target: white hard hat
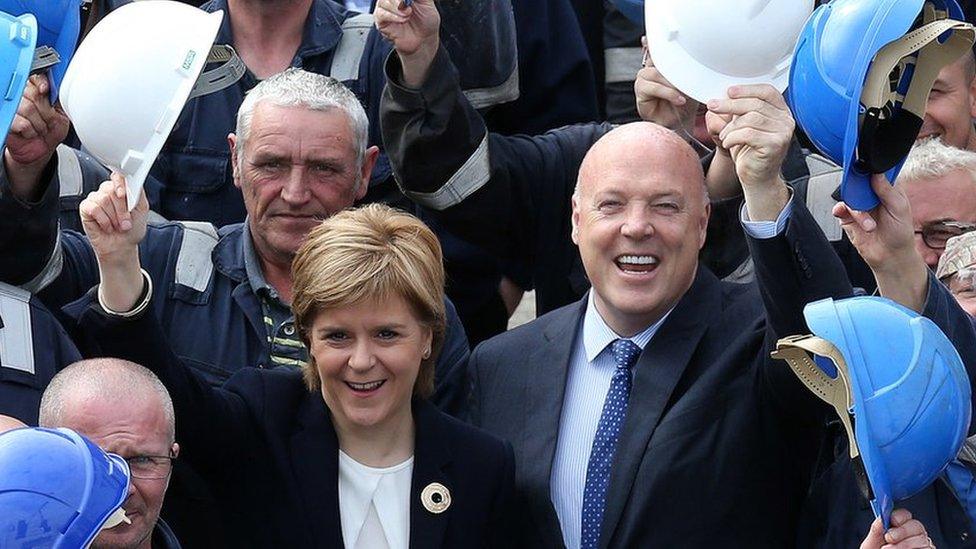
129,79
704,46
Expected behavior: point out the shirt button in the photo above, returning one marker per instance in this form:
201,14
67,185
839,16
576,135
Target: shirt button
289,330
964,536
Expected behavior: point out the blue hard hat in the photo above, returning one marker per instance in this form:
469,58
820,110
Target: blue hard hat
16,55
632,9
837,67
58,26
899,386
57,489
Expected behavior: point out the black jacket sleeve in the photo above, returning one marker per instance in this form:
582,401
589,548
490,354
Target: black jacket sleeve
28,230
795,267
213,425
498,192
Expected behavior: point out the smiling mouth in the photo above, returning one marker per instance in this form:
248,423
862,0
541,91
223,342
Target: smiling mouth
636,264
365,387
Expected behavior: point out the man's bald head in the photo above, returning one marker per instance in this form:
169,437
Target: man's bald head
640,212
124,409
109,380
639,147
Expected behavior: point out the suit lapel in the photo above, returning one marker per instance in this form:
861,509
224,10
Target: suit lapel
658,370
432,458
545,383
315,459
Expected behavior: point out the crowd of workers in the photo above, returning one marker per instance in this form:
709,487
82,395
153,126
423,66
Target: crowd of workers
294,331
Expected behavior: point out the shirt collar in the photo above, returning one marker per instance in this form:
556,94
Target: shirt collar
163,537
321,33
597,335
255,276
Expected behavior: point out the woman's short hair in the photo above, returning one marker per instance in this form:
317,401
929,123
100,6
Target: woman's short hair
370,253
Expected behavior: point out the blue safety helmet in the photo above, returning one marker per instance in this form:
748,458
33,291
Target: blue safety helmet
861,74
57,489
632,9
19,35
898,385
58,26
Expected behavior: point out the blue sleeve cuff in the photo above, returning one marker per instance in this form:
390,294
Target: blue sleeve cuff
762,230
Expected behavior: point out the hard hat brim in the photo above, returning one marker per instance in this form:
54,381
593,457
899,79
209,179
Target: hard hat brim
702,83
15,58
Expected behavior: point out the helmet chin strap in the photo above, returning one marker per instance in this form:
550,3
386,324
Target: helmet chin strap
45,57
836,391
231,70
897,89
116,518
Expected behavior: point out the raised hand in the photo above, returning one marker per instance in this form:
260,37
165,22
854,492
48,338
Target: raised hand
113,230
38,127
115,234
755,125
35,133
905,533
885,238
409,28
659,101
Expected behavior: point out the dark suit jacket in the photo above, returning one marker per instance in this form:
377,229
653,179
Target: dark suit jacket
719,441
267,446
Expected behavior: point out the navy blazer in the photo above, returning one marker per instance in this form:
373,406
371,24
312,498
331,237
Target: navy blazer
719,441
268,448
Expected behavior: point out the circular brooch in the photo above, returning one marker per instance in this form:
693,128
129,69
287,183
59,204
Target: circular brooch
436,498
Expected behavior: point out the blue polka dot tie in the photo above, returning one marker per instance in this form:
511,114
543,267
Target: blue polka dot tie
625,354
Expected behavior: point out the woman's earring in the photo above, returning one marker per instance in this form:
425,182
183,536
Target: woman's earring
427,353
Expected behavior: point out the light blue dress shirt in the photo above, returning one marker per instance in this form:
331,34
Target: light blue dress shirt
591,368
762,230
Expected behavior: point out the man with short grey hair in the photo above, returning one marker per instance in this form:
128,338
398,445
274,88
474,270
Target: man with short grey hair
294,87
224,296
941,184
124,409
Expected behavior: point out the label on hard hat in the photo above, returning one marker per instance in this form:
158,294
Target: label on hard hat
186,67
23,34
188,61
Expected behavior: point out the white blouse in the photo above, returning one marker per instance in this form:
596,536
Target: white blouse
374,504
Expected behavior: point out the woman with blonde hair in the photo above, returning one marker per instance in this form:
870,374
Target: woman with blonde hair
346,452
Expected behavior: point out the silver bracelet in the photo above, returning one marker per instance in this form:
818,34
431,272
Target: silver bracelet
139,308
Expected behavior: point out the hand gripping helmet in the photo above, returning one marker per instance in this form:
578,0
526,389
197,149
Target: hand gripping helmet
898,385
57,489
703,46
862,72
58,27
16,55
133,73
